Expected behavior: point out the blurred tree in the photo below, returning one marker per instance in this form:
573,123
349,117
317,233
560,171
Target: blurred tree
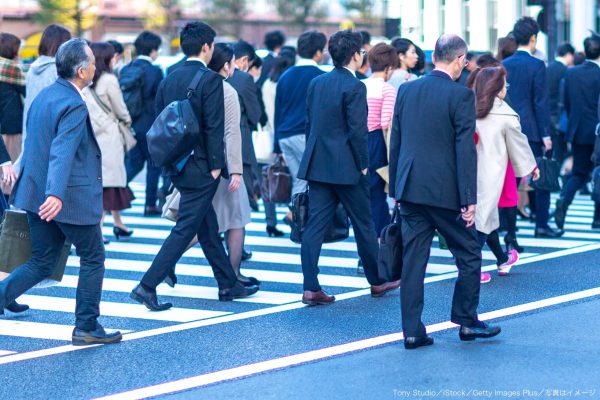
77,15
229,13
299,10
363,7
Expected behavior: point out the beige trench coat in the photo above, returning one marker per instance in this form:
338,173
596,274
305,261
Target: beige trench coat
106,129
500,140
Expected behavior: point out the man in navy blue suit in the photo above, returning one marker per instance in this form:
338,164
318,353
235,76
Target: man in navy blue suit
335,164
146,48
581,93
528,93
60,188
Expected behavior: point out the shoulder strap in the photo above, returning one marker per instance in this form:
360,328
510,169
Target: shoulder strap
195,82
103,106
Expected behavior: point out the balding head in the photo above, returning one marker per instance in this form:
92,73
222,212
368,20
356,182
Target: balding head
448,48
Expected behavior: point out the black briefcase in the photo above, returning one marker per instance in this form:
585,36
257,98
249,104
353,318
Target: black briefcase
339,229
549,175
389,261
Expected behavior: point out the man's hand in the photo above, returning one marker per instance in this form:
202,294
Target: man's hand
548,144
50,209
215,173
468,215
234,183
535,175
9,176
364,171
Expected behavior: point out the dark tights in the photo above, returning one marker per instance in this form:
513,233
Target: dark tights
493,242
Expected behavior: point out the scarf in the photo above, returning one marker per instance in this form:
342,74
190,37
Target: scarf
11,73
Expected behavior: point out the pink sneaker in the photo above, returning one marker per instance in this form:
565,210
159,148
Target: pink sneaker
513,257
485,277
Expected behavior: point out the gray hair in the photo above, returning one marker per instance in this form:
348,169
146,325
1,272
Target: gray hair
71,56
449,47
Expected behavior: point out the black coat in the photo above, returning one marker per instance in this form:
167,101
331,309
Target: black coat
433,160
244,84
555,73
267,65
4,156
175,66
209,106
581,92
336,129
11,108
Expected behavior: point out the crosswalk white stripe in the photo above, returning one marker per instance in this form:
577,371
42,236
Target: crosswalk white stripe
6,352
113,309
37,330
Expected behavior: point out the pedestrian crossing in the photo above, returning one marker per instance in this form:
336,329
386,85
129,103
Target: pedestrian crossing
275,262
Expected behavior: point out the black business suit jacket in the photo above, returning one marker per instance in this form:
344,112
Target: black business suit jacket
176,66
11,108
581,92
433,160
208,104
555,73
336,129
267,65
251,111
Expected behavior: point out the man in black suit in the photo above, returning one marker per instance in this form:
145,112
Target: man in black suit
335,164
581,93
556,70
471,66
274,41
198,180
433,175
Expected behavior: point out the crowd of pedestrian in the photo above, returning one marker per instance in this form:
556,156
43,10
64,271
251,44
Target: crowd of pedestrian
461,150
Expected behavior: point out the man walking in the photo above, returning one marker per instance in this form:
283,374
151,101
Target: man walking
581,93
60,188
528,94
335,164
433,175
198,180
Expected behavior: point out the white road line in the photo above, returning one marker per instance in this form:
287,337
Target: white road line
6,352
321,354
36,330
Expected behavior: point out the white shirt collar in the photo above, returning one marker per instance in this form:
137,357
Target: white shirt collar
306,62
445,72
595,62
78,90
562,61
146,58
351,71
197,59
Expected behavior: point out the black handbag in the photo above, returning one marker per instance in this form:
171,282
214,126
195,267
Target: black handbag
549,175
389,260
3,205
338,230
596,184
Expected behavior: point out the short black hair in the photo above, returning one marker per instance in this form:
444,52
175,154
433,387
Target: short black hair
449,47
194,35
9,45
52,37
524,29
564,49
146,42
242,49
71,56
591,47
366,37
256,63
311,42
222,55
274,39
343,45
470,55
292,49
119,49
402,45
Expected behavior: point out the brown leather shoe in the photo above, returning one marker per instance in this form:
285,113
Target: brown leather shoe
380,290
317,298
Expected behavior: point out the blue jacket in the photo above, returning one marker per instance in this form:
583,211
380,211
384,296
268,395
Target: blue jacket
61,157
336,129
581,92
528,93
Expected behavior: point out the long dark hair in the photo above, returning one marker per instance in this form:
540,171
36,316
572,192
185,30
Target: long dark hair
282,63
53,36
488,84
222,55
104,53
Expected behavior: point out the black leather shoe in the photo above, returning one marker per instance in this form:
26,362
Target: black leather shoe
272,231
560,213
414,342
548,233
246,255
248,281
238,291
481,331
596,225
148,299
16,307
171,279
97,336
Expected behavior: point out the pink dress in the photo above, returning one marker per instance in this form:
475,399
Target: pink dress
509,196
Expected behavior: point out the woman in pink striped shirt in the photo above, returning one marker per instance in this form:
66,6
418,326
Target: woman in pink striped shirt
381,98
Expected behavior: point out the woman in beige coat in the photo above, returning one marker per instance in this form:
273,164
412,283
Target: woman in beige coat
499,141
107,109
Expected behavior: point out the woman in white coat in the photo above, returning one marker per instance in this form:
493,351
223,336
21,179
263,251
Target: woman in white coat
107,110
499,141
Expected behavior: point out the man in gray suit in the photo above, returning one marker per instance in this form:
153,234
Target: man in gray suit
60,188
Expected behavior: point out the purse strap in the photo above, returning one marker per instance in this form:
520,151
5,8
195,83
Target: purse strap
102,105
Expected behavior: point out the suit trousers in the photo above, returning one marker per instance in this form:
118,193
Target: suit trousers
323,201
378,159
293,150
47,240
196,217
542,198
419,223
134,164
580,174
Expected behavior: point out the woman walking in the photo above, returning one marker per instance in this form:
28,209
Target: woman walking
110,120
407,59
499,139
